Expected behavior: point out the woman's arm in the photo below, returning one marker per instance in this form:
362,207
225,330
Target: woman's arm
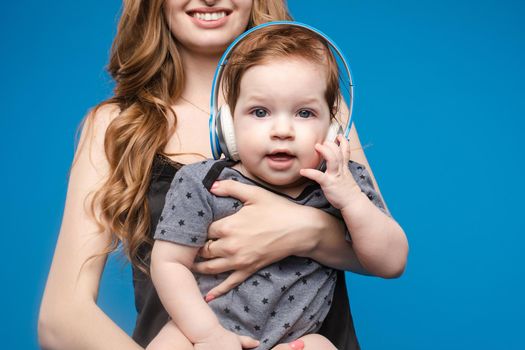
69,316
283,229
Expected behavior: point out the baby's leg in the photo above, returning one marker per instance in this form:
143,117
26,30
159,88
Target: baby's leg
170,337
311,342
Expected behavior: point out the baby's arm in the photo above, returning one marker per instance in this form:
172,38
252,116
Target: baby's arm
378,241
182,298
170,337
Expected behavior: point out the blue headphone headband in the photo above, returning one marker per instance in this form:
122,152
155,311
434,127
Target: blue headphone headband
214,109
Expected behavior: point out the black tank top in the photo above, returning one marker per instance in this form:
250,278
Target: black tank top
338,326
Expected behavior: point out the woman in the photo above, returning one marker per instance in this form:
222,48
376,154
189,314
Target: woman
163,59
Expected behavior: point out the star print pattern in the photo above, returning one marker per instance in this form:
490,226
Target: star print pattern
280,301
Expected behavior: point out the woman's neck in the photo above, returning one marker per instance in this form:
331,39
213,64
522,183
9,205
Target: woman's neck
198,75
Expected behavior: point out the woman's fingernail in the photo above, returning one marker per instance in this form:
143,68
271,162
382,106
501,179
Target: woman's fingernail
209,298
215,185
297,344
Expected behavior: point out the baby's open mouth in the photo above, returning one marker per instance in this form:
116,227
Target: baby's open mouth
280,156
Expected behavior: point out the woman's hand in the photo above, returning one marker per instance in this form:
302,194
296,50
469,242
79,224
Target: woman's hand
266,229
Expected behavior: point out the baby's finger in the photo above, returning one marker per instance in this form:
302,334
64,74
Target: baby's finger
312,174
248,342
336,151
345,148
328,155
232,281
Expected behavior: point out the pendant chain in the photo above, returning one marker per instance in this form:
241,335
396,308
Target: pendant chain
194,105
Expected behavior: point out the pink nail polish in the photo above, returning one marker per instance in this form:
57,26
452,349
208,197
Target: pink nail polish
297,344
209,298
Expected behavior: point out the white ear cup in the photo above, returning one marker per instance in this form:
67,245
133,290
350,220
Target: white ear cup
331,136
218,139
227,133
334,130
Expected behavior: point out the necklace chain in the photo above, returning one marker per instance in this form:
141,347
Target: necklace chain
194,105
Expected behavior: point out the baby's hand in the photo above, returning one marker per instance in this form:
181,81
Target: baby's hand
220,338
337,182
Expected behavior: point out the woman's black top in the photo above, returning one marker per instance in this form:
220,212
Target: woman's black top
338,326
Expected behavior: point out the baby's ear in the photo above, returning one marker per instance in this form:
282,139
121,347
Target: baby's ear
335,113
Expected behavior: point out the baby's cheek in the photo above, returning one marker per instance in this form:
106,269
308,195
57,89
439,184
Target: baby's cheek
311,161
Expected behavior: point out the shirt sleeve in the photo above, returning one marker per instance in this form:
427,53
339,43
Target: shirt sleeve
364,180
187,211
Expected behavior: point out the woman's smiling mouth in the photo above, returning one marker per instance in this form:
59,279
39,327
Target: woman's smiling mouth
207,14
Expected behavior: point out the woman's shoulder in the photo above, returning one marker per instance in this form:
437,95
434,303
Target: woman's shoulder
100,116
96,122
92,134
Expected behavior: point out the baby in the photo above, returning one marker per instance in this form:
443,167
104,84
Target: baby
281,85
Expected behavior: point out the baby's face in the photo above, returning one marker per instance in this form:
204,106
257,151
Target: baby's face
281,113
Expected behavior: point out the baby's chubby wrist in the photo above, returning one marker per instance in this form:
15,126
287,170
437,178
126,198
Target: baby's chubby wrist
214,331
218,336
354,203
343,194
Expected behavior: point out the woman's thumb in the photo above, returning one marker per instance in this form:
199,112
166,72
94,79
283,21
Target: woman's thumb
247,342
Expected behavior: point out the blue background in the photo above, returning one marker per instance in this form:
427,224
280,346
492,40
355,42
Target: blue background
439,104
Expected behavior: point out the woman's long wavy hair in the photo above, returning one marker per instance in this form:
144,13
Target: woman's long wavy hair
146,66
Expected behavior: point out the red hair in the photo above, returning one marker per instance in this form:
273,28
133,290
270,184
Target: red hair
278,42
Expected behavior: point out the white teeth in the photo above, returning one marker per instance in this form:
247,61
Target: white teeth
209,16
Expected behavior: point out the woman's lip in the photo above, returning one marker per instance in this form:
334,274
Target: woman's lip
210,9
209,24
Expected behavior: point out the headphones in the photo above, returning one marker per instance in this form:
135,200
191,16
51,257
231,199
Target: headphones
222,135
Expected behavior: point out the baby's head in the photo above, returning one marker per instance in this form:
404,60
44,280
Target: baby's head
282,86
281,43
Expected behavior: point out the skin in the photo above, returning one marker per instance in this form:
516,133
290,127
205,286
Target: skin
69,315
280,115
272,116
281,120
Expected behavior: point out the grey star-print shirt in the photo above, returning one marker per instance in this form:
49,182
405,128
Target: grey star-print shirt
280,302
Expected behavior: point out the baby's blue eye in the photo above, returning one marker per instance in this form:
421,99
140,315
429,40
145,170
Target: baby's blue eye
260,113
305,113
